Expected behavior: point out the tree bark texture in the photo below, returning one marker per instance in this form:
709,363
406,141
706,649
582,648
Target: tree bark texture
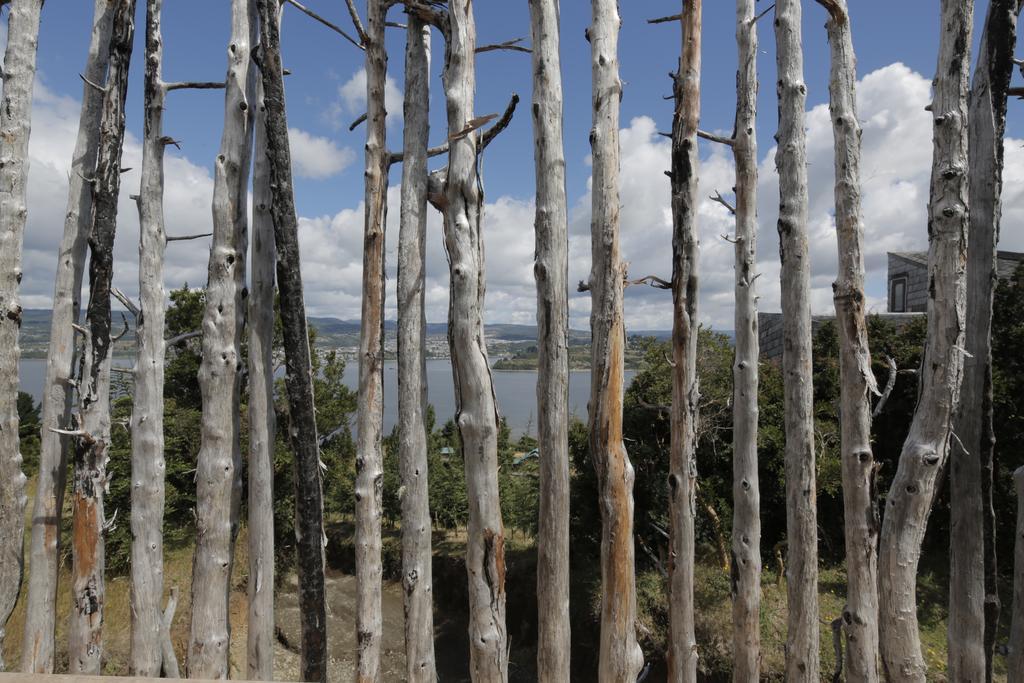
801,494
19,75
551,270
218,474
927,445
476,409
973,600
857,380
37,653
417,570
620,655
369,486
1015,653
309,513
85,634
682,478
262,416
746,525
147,420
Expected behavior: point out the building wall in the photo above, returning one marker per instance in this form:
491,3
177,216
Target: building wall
917,282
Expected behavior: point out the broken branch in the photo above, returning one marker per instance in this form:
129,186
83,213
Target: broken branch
334,27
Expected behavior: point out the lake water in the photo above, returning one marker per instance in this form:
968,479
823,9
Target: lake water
516,391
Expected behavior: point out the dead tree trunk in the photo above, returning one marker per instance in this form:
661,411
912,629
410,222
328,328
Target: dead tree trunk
309,511
417,572
860,616
85,637
746,525
262,418
620,658
147,421
927,445
551,270
19,75
974,600
37,652
1015,655
801,503
218,474
476,410
370,419
682,478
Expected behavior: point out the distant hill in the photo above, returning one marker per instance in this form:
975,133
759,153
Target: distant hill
332,332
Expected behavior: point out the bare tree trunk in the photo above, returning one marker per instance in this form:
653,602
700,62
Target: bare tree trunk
682,478
551,270
147,422
973,600
369,454
218,477
476,410
37,652
309,513
1015,655
801,493
927,446
620,658
417,570
857,380
85,636
746,520
19,74
262,418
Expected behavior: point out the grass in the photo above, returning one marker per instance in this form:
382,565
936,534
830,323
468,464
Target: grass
712,607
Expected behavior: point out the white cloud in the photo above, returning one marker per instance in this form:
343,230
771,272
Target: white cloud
896,169
317,157
352,100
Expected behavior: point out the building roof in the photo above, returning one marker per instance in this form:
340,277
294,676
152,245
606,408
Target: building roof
1007,260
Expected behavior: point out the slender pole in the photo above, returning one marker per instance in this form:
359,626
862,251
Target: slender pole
746,529
147,419
417,558
218,473
620,656
551,265
15,127
682,478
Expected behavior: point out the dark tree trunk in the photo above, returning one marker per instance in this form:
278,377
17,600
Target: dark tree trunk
298,368
85,636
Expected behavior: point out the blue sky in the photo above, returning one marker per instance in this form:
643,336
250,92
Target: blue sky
329,190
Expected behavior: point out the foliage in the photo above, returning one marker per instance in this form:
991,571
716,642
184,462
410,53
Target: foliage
29,422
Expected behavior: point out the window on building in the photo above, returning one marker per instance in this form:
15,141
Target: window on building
898,295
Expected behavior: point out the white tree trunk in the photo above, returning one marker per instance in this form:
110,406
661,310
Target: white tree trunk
1015,654
37,652
19,76
309,510
369,455
218,477
147,421
927,445
857,380
262,417
973,600
682,478
620,658
801,492
417,570
746,521
85,632
476,410
551,270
